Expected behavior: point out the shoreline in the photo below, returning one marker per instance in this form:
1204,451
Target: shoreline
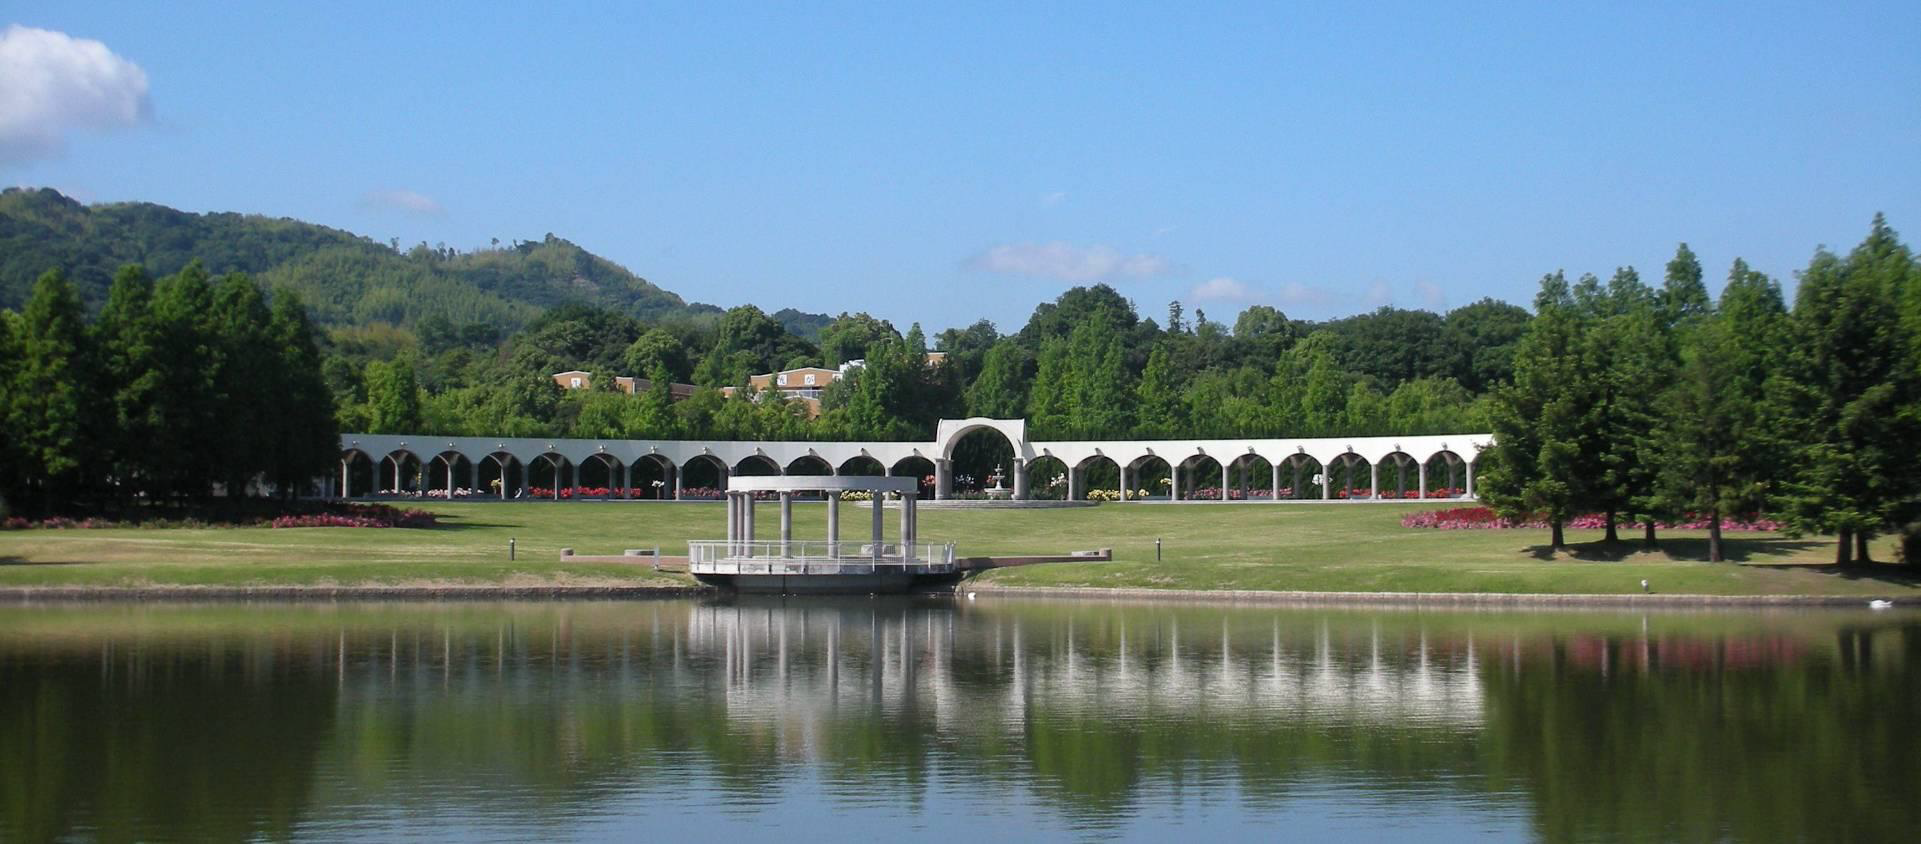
17,595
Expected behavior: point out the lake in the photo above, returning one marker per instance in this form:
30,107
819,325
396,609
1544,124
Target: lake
855,719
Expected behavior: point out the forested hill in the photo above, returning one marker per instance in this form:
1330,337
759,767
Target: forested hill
343,277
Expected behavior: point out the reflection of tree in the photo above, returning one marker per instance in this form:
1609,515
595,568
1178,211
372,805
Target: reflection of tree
1705,751
175,745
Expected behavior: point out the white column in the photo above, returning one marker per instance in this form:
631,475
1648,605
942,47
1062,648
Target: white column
1020,479
1173,481
1224,465
1073,483
1423,479
677,484
450,478
1470,481
346,475
1327,481
1374,479
733,523
786,522
1125,484
880,499
833,523
907,500
943,479
747,521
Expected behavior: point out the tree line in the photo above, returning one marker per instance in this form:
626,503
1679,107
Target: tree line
171,390
1653,403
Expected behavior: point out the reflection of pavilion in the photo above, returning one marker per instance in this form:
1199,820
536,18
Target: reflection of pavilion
745,562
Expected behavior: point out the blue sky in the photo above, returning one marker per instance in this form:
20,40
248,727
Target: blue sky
944,165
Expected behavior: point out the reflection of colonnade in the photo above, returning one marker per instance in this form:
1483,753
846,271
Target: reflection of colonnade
1294,467
971,671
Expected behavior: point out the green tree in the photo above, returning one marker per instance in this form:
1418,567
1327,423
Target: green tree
1683,296
50,396
249,378
849,336
1158,405
304,437
1534,468
654,413
1050,403
1709,445
394,397
1000,391
1854,396
131,374
656,348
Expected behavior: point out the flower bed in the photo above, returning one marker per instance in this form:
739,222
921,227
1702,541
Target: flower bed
360,515
1484,518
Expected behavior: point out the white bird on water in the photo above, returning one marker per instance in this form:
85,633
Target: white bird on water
1878,604
970,596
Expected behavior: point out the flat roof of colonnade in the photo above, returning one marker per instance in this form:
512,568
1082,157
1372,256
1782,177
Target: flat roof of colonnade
784,454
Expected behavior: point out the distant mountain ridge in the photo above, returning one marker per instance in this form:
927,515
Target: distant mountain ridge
345,278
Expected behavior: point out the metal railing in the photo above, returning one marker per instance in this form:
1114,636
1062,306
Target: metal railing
801,557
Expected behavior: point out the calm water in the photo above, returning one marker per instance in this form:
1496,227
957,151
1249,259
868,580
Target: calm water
869,720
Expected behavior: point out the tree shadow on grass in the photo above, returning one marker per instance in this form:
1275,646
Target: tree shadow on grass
1684,550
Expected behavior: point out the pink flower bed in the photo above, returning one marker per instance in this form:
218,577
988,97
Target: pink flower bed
361,515
1484,518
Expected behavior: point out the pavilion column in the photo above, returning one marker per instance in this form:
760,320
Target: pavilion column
1374,479
346,478
786,522
733,523
907,500
526,480
450,480
1173,481
1470,480
677,486
943,479
1224,482
1327,482
1020,479
1125,484
626,479
747,520
1073,483
879,500
833,524
1275,494
1423,479
560,475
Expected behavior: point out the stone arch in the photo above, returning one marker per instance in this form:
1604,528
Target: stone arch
442,474
704,474
356,462
652,476
1097,472
1446,474
1297,476
602,470
1400,476
952,431
915,466
1199,478
548,473
1153,473
1251,476
501,482
757,465
809,464
1352,477
861,464
405,474
1047,477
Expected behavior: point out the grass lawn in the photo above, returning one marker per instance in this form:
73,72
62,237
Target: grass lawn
1317,547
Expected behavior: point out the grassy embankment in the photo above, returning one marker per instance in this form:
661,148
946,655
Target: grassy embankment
1331,547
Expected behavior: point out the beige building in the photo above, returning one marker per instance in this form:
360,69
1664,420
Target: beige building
575,379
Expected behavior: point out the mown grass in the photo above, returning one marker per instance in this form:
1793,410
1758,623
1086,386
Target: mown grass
1314,547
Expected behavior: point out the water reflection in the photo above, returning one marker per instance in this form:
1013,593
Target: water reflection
770,718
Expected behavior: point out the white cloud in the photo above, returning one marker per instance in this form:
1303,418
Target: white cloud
1430,294
1296,293
52,84
1067,262
1223,289
406,201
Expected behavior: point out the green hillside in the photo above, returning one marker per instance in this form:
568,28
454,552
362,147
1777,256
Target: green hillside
345,278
